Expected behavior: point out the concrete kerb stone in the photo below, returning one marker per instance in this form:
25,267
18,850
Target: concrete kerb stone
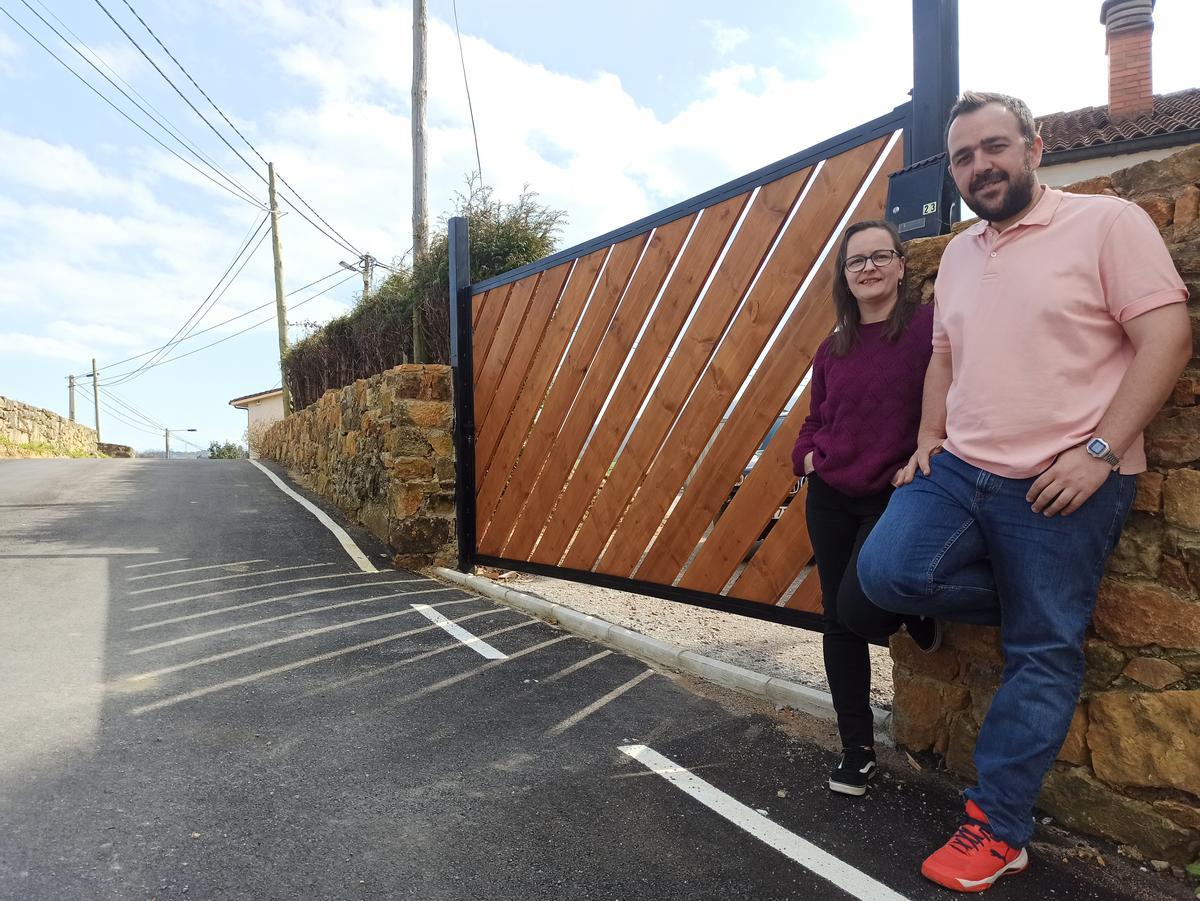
810,701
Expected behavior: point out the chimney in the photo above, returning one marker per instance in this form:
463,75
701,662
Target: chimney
1129,25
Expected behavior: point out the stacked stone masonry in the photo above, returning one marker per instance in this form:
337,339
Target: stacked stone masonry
382,449
21,424
1130,767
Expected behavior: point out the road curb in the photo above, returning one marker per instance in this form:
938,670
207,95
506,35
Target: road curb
811,701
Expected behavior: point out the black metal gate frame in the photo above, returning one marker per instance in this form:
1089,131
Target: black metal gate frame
464,398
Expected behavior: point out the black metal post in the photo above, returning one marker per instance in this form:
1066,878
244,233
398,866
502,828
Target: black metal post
935,76
462,362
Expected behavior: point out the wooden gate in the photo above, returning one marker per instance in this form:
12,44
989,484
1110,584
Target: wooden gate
614,398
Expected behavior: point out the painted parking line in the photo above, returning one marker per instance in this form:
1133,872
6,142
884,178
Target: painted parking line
356,554
260,572
266,620
850,880
580,716
233,608
475,644
213,594
194,569
156,562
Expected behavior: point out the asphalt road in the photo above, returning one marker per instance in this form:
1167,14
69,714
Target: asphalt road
206,698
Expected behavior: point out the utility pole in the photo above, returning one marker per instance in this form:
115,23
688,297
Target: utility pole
167,440
367,261
420,216
71,386
96,396
280,305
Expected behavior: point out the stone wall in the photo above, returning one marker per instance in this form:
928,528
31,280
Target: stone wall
382,449
1130,768
21,424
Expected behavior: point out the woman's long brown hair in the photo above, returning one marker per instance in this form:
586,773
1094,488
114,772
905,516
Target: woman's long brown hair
846,307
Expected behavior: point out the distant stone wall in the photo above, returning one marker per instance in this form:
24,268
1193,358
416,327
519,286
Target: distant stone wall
1130,768
116,450
382,449
21,424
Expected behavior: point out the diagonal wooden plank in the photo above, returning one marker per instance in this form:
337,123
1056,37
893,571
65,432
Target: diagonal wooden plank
487,375
679,298
614,350
496,515
767,214
768,390
832,191
784,553
724,461
491,310
752,508
501,441
529,337
477,302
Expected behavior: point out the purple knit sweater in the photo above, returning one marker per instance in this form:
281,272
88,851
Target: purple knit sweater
866,407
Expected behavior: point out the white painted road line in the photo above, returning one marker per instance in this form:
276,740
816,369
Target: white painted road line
194,569
219,611
253,624
475,644
591,708
213,594
298,636
261,572
339,533
156,562
808,855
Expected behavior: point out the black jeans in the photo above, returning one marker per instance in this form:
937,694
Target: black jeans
837,527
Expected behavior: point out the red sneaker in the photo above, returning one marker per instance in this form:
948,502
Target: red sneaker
973,859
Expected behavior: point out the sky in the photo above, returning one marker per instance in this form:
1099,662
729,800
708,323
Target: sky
609,111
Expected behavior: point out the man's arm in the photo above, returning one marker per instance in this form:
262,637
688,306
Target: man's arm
1162,342
932,431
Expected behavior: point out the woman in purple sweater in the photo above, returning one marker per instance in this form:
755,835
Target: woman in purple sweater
865,407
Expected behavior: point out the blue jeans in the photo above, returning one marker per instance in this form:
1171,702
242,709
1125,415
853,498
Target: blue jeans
963,544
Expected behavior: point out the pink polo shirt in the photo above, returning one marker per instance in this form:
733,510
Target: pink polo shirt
1032,316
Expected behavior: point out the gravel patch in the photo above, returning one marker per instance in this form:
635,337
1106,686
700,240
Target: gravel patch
786,652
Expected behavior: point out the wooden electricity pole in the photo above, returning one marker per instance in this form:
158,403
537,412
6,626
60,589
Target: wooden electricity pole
280,304
96,396
420,216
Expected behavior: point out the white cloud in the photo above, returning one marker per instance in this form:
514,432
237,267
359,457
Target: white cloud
726,38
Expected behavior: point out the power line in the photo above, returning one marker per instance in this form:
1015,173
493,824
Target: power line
247,328
467,85
157,116
340,240
122,112
213,104
214,327
210,300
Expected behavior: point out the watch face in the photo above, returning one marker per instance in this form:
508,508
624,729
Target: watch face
1097,447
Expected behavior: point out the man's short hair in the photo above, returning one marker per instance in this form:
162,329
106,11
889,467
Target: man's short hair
970,101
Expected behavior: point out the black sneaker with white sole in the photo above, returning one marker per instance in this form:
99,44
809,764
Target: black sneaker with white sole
853,772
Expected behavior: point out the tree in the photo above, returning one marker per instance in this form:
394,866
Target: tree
226,451
377,334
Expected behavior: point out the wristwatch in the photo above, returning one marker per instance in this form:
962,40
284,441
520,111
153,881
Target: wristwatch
1100,449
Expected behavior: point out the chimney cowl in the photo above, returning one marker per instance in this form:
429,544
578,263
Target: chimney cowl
1126,15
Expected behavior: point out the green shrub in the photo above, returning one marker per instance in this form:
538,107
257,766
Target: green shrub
377,334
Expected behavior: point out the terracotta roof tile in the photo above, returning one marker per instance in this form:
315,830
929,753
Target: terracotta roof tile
1091,126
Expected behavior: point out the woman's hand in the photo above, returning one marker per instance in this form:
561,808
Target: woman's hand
808,463
927,446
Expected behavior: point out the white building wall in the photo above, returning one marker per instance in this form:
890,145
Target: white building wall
1079,170
261,413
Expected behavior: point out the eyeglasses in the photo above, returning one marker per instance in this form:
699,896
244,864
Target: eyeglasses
879,259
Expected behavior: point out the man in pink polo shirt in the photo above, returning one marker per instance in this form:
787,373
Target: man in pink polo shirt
1059,331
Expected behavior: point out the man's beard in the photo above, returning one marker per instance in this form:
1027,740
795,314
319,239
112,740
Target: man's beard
1015,199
